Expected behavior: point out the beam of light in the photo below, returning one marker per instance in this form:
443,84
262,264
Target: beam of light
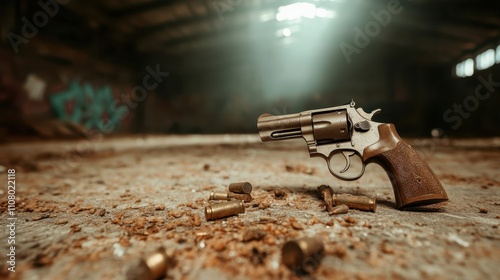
324,13
302,10
289,54
287,32
267,16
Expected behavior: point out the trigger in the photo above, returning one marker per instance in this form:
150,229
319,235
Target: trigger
347,157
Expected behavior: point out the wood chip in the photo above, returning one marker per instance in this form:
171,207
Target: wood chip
178,213
386,248
76,229
219,245
257,257
61,222
101,212
253,234
170,226
296,225
40,217
191,205
279,193
300,169
160,207
350,220
195,220
338,250
264,204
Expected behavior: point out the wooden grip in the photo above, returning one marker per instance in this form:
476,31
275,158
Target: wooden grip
412,179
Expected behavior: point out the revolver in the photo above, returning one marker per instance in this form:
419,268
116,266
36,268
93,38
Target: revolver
348,139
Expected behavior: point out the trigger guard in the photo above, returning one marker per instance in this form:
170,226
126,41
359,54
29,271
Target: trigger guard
346,178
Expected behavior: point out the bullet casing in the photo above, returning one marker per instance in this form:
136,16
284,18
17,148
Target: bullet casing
359,202
157,264
339,209
222,210
302,255
219,196
242,188
326,193
152,267
230,196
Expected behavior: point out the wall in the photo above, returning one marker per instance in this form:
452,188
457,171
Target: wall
34,90
229,99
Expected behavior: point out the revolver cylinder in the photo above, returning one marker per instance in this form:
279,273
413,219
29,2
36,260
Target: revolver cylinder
331,126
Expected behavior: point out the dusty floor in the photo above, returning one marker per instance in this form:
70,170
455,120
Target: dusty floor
86,209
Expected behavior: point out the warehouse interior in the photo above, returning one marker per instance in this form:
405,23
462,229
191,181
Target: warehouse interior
118,119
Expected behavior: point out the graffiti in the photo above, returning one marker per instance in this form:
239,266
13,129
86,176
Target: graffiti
88,106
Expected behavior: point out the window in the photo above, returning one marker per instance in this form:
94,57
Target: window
465,68
498,54
485,59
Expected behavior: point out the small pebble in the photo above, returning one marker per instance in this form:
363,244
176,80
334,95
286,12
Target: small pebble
279,193
160,207
296,225
350,220
61,222
253,234
101,212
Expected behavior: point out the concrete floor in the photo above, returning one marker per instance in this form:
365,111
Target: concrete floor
87,209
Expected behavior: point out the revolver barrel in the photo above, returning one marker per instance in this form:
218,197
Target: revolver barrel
272,128
324,126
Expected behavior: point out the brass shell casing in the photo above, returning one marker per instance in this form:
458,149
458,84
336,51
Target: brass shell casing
230,196
359,202
219,196
222,210
242,187
339,209
152,267
157,264
302,255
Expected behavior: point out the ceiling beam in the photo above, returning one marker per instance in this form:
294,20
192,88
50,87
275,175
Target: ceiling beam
79,57
140,8
92,12
150,32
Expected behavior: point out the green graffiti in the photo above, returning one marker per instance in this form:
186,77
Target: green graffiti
91,107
